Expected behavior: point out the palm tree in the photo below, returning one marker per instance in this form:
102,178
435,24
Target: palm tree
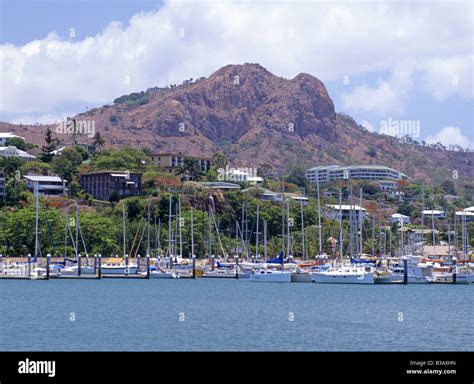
99,141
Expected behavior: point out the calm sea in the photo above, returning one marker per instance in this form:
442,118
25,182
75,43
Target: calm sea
156,315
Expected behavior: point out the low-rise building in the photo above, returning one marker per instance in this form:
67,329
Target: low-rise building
47,185
102,184
170,161
400,219
437,214
12,151
335,211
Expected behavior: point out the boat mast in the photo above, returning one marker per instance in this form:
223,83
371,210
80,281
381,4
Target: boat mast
340,225
77,231
288,228
210,230
192,232
124,230
283,215
302,229
449,240
170,240
256,234
319,215
265,239
180,228
148,239
433,233
373,237
422,217
361,216
351,219
36,220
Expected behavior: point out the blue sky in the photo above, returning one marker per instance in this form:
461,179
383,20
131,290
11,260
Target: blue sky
379,61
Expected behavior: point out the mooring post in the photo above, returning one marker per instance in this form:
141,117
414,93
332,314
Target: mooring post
126,265
236,267
29,264
79,265
95,264
194,267
212,262
99,261
455,270
405,271
48,256
138,263
148,266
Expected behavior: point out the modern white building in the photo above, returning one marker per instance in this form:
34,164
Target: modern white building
4,136
400,219
437,214
336,209
47,185
12,151
330,173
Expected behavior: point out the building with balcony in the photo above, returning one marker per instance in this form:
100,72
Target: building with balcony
101,185
47,185
335,210
171,161
326,174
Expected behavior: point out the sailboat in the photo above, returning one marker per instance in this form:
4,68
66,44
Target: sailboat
155,270
270,273
122,267
344,274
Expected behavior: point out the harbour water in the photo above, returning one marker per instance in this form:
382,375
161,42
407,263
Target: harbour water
210,315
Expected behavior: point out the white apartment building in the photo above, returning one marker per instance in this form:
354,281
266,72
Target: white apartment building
330,173
47,185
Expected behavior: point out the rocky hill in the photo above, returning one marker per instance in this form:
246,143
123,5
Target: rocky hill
257,118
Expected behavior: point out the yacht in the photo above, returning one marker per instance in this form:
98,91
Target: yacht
119,268
416,273
265,275
344,275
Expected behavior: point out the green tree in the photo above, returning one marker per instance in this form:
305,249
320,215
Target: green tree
50,146
190,170
19,143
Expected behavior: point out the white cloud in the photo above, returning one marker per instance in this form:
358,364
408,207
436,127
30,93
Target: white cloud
381,100
451,136
329,40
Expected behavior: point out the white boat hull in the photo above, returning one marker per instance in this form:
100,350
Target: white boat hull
119,270
342,278
304,277
271,277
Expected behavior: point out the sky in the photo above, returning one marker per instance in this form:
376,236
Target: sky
386,63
